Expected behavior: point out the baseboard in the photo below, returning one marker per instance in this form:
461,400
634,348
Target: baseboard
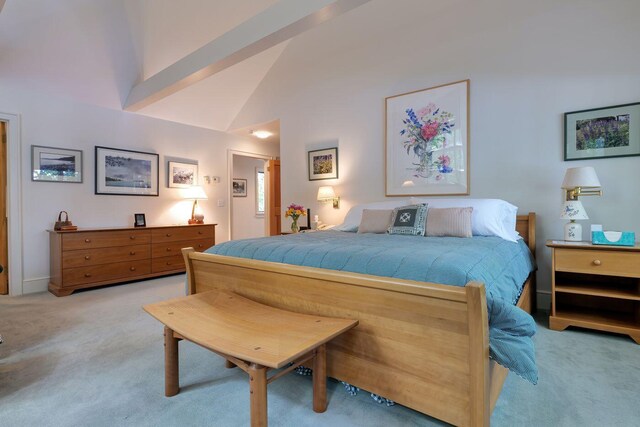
544,300
35,285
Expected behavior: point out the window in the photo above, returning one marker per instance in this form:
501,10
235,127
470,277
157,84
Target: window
260,197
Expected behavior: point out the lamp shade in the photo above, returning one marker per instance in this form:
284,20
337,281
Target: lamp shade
580,177
326,193
195,193
573,209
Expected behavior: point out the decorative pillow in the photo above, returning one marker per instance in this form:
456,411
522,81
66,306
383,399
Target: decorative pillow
354,216
375,220
454,222
409,220
491,217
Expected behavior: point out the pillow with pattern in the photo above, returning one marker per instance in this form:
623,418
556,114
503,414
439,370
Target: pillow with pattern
409,220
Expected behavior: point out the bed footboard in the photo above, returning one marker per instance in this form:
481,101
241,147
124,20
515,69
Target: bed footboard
423,345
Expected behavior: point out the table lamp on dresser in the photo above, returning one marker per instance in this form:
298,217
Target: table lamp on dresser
195,193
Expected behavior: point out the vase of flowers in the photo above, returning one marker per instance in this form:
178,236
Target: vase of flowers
294,212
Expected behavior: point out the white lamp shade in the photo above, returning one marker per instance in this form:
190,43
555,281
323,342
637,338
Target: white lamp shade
580,177
326,193
195,193
573,209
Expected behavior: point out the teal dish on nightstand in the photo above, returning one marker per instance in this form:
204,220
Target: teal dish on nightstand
613,238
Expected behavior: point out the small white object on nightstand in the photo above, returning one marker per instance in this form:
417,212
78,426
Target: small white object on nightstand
573,210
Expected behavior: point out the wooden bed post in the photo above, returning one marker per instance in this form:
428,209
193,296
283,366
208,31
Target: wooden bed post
189,266
479,390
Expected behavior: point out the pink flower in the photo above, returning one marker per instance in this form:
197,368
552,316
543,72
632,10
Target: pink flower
430,130
444,160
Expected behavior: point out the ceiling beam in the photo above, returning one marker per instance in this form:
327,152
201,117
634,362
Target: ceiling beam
280,22
1,5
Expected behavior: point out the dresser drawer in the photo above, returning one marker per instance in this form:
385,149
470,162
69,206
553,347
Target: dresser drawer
99,273
86,257
175,234
167,263
104,239
175,248
598,262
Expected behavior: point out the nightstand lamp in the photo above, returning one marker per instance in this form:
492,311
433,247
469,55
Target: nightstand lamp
196,193
328,194
577,182
573,210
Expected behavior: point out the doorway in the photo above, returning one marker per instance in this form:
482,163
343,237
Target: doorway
4,244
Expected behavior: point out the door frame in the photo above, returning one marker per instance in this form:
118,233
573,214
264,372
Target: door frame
230,154
14,201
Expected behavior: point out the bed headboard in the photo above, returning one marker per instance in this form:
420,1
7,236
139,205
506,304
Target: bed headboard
526,226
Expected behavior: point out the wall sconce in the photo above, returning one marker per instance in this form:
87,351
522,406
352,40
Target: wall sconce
326,194
196,193
581,181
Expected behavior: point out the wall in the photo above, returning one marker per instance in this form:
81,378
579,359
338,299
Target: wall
58,122
245,223
529,62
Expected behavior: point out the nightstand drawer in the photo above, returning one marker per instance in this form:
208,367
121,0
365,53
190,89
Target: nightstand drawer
608,263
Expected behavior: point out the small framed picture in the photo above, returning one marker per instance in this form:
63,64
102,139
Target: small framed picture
323,164
139,220
182,175
602,132
56,164
239,187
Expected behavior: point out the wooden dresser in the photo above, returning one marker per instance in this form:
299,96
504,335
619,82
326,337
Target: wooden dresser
94,257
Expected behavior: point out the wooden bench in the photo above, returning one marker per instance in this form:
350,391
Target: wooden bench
252,336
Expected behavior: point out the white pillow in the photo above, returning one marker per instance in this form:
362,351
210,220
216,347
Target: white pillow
354,216
490,217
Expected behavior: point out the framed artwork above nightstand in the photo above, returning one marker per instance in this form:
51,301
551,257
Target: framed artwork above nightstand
595,287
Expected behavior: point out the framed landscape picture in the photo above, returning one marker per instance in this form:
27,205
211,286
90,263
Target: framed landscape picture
126,172
56,164
182,175
427,141
239,187
323,164
602,132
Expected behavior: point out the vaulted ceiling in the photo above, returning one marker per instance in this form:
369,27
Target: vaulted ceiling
102,51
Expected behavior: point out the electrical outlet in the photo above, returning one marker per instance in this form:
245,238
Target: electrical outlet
220,203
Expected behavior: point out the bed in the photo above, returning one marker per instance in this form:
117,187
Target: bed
423,345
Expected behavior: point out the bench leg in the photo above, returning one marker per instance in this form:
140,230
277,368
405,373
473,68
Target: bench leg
258,390
320,379
171,374
229,364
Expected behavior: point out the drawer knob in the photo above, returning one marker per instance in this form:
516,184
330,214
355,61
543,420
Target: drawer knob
87,240
199,232
87,275
87,257
168,234
132,268
597,262
132,237
132,253
168,263
168,249
200,245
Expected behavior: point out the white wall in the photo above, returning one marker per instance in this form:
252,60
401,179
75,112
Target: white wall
529,62
245,222
57,122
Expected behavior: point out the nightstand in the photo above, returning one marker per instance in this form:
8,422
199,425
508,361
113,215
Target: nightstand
596,287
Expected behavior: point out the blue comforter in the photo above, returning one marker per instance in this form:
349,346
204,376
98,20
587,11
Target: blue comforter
501,265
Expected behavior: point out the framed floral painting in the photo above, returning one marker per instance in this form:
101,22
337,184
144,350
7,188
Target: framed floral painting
427,141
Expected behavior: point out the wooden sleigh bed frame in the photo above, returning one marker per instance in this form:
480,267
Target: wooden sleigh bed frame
422,345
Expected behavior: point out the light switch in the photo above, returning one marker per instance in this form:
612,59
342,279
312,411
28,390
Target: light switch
216,179
220,203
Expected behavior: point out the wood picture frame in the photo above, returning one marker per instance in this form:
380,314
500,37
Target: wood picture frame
182,175
323,164
51,164
427,141
601,133
126,172
239,187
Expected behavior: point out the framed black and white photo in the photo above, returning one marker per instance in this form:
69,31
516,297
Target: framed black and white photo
323,164
182,175
126,172
139,220
602,132
51,164
239,187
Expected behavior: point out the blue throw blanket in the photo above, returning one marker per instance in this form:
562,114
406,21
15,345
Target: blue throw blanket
501,265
